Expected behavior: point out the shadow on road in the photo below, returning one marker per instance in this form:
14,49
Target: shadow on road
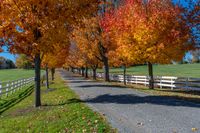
101,85
127,98
134,99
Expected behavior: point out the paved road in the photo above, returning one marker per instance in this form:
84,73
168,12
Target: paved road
131,111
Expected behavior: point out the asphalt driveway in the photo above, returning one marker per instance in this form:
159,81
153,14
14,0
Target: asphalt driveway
131,111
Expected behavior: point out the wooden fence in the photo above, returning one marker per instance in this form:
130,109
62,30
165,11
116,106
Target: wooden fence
159,81
10,87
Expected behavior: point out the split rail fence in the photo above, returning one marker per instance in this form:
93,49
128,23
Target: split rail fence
10,87
185,83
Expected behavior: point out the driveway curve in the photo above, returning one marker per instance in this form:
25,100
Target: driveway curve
131,111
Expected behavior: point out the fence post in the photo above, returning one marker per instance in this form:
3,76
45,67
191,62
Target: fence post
0,88
131,79
172,84
11,88
24,82
18,84
21,83
7,88
187,83
160,82
15,85
136,80
145,81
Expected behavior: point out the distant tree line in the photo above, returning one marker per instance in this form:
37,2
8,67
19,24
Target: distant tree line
6,63
194,57
24,62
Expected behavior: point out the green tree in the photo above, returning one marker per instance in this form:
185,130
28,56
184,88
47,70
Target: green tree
24,62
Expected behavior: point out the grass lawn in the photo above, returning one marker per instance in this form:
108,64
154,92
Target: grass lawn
179,70
13,74
59,113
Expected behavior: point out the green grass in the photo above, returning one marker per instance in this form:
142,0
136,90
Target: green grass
7,102
179,70
61,112
13,74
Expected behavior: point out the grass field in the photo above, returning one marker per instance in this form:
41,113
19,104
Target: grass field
13,74
59,113
180,70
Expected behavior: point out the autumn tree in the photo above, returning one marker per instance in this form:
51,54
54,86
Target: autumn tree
153,29
93,42
55,59
75,59
196,56
87,38
23,61
26,26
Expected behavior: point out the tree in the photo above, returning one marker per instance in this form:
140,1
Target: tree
55,59
76,59
33,27
191,17
87,38
24,62
154,30
6,63
196,56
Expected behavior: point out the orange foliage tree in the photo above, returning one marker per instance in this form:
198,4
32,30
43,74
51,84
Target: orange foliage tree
55,59
27,26
87,38
75,59
153,30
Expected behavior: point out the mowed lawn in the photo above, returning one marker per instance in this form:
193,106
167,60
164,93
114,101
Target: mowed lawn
60,112
13,74
179,70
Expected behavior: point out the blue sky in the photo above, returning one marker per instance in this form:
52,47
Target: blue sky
7,55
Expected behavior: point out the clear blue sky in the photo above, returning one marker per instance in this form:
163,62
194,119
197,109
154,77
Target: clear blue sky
7,55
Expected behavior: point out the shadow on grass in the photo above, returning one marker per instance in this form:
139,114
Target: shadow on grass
48,90
70,101
6,104
182,91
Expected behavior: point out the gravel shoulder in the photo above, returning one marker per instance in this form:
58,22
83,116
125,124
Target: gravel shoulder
131,111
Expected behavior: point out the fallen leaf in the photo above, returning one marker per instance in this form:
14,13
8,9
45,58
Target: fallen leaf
194,129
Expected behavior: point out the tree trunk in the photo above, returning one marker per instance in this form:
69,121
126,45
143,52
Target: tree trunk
86,72
83,71
47,76
106,69
52,73
72,69
151,80
79,71
37,80
124,74
94,73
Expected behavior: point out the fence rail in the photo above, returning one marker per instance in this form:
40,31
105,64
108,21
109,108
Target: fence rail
171,82
10,87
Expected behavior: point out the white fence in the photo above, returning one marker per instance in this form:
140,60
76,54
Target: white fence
11,87
159,81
